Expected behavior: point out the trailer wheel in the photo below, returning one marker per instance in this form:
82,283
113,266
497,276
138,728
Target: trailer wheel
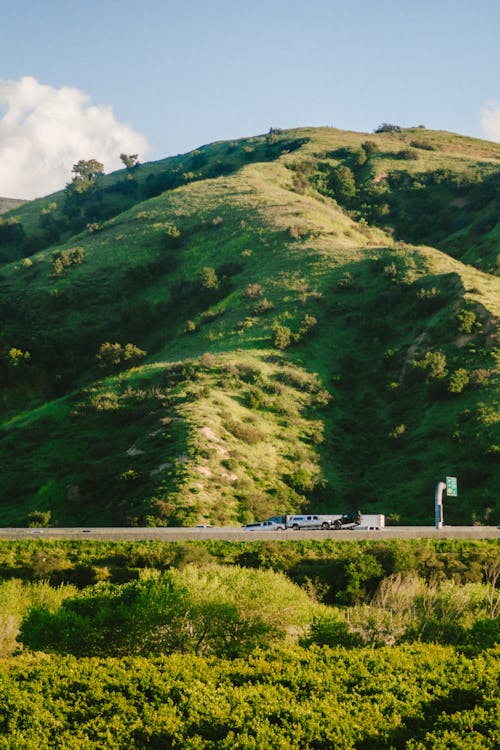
325,525
337,524
295,527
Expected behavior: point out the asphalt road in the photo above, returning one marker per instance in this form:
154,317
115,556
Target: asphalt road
237,534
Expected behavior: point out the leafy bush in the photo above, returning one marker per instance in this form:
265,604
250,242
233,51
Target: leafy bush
244,431
172,236
387,127
254,290
425,145
38,518
113,356
16,599
62,259
330,629
459,379
227,611
410,697
263,306
433,364
209,278
282,336
342,183
370,148
408,153
358,157
466,320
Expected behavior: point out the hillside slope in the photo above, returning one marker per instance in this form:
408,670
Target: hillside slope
303,319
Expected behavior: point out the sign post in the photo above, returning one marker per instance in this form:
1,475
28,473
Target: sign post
438,504
451,491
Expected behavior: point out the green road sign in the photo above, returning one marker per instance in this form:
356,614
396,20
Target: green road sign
451,486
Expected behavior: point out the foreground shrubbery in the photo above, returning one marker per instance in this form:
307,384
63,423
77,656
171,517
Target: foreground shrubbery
229,611
200,654
412,697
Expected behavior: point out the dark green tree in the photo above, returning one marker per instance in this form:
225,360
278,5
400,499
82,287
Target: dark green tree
129,161
343,184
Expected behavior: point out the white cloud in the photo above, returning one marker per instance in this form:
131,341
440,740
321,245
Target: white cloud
490,120
44,131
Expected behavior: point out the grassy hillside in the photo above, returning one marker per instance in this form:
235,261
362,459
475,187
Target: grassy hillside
302,319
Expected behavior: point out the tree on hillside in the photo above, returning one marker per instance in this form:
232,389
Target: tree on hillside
86,175
209,278
129,161
343,184
388,127
113,356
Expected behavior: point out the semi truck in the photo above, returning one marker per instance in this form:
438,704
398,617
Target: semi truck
352,520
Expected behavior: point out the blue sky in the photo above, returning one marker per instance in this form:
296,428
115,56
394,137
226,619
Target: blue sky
182,74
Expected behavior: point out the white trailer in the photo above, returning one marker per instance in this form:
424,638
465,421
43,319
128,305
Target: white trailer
372,522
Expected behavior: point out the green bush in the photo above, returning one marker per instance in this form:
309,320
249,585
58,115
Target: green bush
370,148
245,432
114,356
433,364
209,278
342,183
388,127
412,697
466,320
172,236
38,518
282,336
330,629
459,379
226,611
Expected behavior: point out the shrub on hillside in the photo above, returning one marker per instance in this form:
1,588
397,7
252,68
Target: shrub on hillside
342,184
263,306
113,356
408,153
466,320
253,291
93,227
172,236
282,336
245,432
424,145
62,259
433,364
459,379
208,278
17,358
358,157
370,148
38,519
11,232
387,127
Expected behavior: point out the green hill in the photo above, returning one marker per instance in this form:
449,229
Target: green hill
304,319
